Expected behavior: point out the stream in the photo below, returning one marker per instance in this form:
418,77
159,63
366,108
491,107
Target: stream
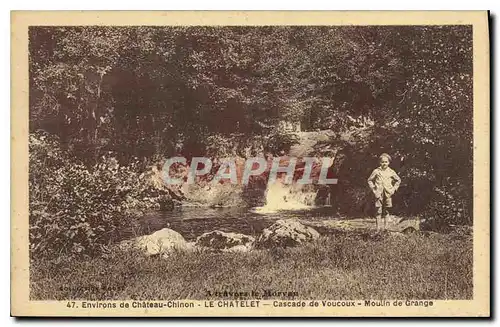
191,222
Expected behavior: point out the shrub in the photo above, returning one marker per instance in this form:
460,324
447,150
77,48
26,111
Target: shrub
280,141
449,207
234,145
76,208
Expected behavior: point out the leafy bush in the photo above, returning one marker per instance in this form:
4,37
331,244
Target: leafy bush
449,207
281,141
240,145
75,208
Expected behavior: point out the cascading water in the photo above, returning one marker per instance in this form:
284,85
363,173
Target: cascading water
287,197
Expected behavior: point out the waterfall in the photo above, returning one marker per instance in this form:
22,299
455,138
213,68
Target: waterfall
288,197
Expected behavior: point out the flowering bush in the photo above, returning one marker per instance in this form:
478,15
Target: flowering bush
76,208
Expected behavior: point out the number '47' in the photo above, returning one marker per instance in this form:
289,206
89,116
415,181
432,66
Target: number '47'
70,304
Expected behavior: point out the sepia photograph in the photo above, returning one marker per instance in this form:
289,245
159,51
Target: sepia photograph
198,167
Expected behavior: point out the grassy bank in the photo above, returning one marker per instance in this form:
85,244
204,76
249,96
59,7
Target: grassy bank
342,267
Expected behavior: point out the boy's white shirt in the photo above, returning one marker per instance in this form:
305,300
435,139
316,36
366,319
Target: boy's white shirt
381,180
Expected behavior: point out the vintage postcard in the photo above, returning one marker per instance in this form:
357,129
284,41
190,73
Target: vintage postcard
312,164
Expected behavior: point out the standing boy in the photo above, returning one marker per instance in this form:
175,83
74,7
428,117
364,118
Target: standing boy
384,182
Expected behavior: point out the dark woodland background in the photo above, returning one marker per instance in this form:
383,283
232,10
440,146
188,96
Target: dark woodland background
106,103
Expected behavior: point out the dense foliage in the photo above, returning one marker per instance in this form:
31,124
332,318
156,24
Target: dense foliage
76,208
150,92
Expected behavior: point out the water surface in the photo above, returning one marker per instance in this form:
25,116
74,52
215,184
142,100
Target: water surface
191,222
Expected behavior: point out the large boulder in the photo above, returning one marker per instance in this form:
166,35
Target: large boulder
162,241
220,240
286,233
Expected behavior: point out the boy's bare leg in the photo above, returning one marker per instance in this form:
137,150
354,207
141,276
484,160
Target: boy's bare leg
388,206
380,221
386,218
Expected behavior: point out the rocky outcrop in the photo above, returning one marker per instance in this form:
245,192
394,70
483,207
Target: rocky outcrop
402,225
233,242
286,233
161,242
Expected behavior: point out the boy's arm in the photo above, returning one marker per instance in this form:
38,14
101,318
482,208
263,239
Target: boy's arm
397,180
372,178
